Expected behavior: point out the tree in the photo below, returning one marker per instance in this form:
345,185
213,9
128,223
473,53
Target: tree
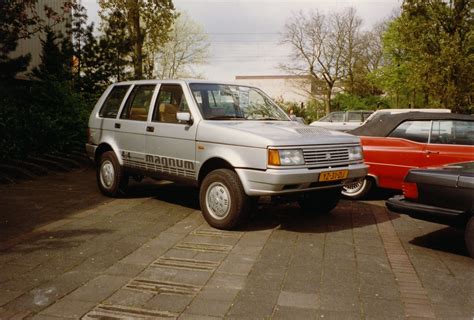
429,53
146,20
187,46
54,63
320,49
20,20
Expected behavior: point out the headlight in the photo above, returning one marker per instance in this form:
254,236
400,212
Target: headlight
285,157
355,153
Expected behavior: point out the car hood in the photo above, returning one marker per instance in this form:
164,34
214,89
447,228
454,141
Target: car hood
261,134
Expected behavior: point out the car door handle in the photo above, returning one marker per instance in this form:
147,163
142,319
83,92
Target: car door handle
117,126
150,129
432,152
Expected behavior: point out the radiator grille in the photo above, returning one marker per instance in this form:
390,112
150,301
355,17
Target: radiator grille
325,156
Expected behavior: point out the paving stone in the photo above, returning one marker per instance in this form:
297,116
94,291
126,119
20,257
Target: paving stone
169,302
298,300
98,289
69,308
212,293
381,308
129,298
124,269
198,278
339,315
216,308
291,313
332,302
8,295
189,316
222,280
235,268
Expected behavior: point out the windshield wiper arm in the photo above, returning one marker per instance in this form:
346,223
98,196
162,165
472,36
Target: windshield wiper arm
225,118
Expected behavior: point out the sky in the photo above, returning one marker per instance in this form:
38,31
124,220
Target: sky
245,35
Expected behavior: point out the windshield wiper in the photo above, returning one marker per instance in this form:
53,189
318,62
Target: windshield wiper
225,118
268,118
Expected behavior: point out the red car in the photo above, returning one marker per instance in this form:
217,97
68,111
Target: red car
396,143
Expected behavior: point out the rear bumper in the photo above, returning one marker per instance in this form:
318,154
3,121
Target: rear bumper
425,212
286,181
90,150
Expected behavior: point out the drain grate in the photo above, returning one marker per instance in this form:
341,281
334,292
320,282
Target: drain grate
204,247
187,264
217,233
161,287
122,312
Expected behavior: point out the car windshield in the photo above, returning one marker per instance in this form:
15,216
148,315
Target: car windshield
233,102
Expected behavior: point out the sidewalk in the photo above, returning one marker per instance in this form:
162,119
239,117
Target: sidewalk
153,256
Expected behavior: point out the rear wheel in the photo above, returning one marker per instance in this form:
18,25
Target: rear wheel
469,236
224,203
357,190
111,179
322,201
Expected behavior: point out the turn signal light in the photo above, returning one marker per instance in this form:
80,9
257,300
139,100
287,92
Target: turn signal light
273,157
410,190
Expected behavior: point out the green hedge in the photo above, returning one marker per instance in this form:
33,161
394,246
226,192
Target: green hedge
41,117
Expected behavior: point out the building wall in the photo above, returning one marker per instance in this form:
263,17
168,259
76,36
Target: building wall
33,44
290,88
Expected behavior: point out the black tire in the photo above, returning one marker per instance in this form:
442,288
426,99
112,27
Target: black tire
230,205
469,236
357,190
111,178
321,201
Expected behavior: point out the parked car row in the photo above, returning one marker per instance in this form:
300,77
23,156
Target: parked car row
235,144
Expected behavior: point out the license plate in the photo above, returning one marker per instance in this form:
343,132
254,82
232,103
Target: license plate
333,175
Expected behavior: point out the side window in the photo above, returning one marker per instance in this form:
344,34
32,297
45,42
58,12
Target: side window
337,117
365,115
453,132
354,117
113,101
170,101
418,131
138,103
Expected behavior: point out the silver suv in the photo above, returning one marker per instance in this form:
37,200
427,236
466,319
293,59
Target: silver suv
231,141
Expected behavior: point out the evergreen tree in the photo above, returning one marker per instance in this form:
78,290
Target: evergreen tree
54,63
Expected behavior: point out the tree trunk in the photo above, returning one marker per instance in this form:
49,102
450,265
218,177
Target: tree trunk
328,98
134,16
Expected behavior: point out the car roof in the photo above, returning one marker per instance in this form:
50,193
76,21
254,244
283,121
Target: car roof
179,81
382,124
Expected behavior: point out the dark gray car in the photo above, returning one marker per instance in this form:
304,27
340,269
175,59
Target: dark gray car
442,195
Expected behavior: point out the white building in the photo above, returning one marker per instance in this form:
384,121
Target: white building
287,87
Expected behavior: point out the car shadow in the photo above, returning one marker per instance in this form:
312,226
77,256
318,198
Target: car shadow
447,239
269,215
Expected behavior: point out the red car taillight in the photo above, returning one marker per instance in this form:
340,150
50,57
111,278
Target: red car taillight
410,190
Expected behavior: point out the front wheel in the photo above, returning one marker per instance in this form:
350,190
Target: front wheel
322,201
224,203
469,236
111,179
357,190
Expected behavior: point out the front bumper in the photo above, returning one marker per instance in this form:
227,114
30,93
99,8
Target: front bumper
90,150
425,212
285,181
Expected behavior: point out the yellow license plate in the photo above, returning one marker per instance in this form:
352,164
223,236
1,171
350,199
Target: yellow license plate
333,175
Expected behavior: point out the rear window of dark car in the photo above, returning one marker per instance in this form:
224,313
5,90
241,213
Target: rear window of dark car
113,101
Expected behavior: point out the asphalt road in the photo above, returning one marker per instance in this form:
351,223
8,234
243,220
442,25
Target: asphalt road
69,252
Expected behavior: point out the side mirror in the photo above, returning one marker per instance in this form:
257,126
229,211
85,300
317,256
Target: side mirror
293,117
184,117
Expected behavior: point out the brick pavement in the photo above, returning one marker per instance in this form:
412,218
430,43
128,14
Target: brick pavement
155,257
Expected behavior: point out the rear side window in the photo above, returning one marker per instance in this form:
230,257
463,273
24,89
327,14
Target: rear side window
417,131
138,103
354,117
453,132
113,101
